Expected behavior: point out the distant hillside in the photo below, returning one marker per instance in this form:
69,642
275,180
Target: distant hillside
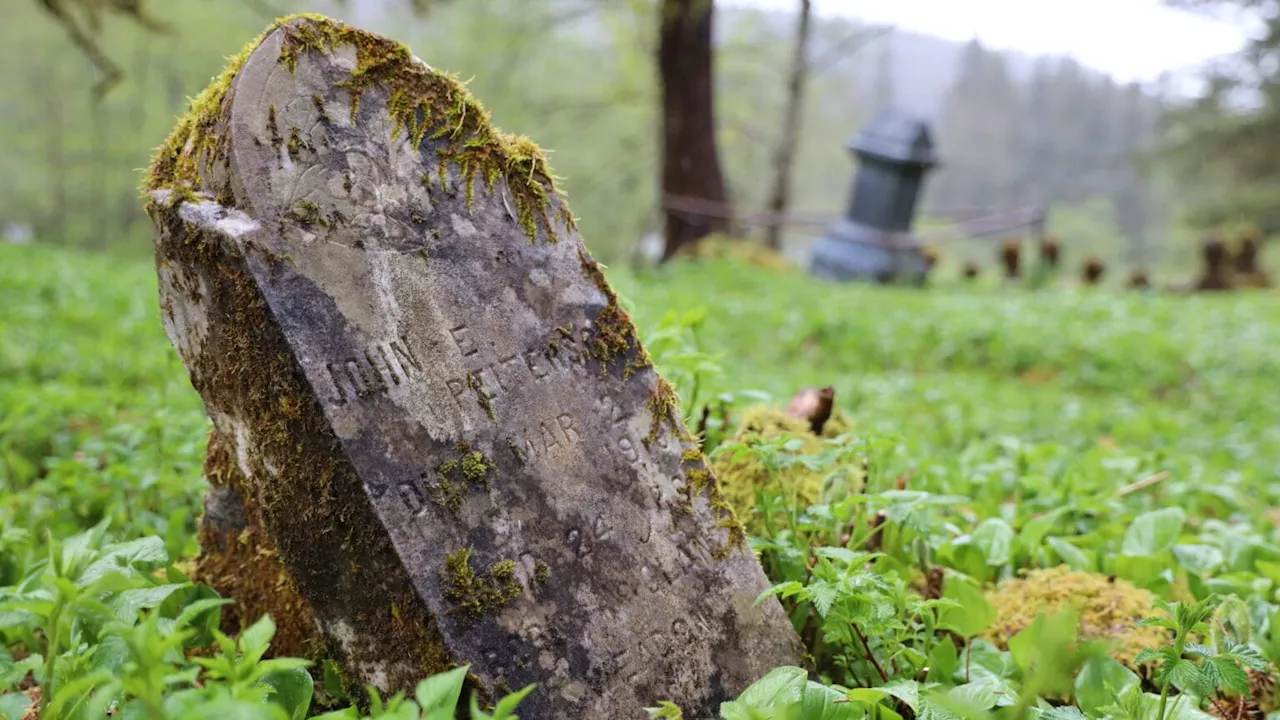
922,67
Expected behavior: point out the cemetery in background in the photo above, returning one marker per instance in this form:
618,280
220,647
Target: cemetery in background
1012,131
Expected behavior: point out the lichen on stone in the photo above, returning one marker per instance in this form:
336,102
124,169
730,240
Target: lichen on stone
475,595
1110,609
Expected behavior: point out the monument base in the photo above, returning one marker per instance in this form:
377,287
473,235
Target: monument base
851,251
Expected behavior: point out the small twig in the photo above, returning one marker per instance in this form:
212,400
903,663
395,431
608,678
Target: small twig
1142,484
870,655
701,432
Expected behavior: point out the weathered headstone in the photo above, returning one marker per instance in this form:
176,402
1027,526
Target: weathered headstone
436,407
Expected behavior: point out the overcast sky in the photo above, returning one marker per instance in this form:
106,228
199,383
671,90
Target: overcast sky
1131,39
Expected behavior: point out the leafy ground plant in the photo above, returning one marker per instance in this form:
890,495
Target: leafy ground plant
991,433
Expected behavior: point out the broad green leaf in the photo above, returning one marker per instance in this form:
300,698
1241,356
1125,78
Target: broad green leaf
820,702
869,696
203,615
1074,557
126,605
110,653
1198,559
441,692
255,639
1034,530
1141,570
942,661
908,691
293,690
13,706
978,695
1230,675
333,680
781,685
974,613
1100,680
994,538
1153,532
146,550
969,559
1185,675
780,691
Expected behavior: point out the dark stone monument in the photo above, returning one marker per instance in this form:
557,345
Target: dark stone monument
874,239
427,401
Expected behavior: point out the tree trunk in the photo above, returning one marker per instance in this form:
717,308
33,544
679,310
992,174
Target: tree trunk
690,160
785,154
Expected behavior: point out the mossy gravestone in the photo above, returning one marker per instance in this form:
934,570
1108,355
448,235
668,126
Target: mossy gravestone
427,396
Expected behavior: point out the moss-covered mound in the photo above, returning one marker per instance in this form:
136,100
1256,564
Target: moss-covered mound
1110,609
724,247
740,475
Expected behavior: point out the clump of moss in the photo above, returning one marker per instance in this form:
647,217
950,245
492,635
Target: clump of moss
664,409
472,468
541,573
307,213
476,595
483,398
740,477
700,480
612,341
719,246
477,468
296,144
1110,609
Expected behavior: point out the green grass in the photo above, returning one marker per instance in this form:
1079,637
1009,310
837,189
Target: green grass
1017,417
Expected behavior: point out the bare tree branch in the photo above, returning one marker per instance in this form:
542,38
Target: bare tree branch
851,44
85,40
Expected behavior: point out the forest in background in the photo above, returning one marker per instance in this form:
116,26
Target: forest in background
578,77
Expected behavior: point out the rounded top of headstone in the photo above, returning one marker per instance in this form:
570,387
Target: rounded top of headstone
898,138
416,103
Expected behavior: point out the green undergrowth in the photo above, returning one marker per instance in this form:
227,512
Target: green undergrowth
1053,505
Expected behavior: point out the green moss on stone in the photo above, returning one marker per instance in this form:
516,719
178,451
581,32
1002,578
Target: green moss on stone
541,572
613,340
307,213
422,102
455,475
473,594
477,468
664,409
484,399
